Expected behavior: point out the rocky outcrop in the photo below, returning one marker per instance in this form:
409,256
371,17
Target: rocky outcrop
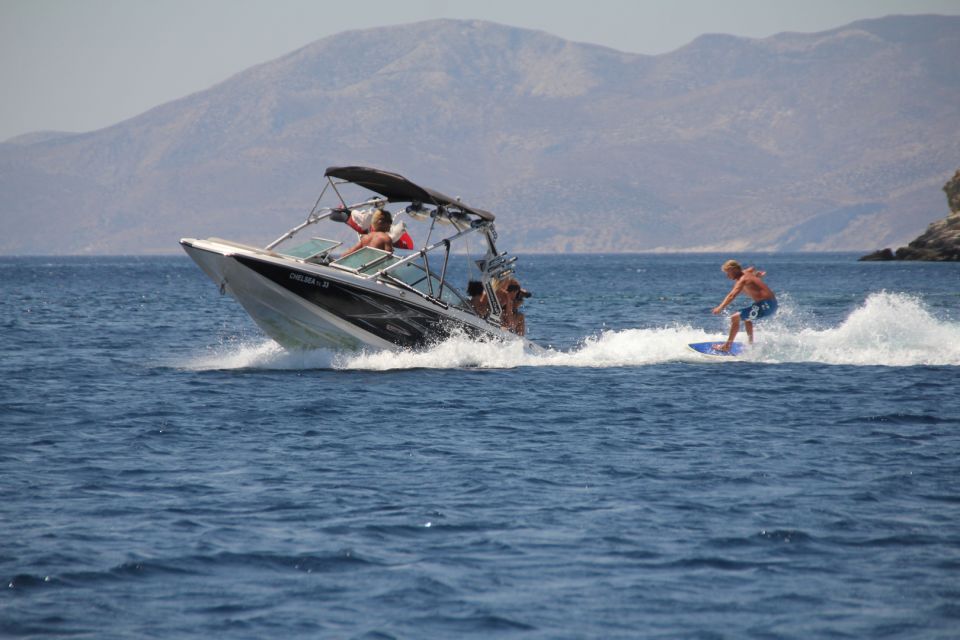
952,189
940,242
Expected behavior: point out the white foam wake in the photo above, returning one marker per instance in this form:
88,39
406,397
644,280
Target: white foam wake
260,354
888,329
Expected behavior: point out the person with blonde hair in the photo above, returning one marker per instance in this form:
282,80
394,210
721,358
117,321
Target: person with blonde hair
510,295
518,294
379,235
764,305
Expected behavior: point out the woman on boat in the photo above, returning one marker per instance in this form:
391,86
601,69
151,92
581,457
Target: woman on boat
510,295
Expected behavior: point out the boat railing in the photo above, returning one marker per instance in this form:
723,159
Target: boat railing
371,262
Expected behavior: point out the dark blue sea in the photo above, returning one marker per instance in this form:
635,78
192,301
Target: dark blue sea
166,471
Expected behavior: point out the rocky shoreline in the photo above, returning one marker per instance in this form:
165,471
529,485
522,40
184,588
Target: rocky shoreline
940,242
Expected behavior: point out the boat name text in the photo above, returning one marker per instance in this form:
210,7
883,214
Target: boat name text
317,282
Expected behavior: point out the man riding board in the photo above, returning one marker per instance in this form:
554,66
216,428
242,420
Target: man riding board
764,305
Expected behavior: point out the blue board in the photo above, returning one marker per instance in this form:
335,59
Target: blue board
706,348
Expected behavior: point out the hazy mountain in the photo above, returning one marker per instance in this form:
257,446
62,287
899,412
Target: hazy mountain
833,140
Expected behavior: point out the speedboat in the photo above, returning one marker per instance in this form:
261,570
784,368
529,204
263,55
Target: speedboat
304,296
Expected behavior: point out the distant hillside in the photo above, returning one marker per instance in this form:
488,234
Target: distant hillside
830,141
38,136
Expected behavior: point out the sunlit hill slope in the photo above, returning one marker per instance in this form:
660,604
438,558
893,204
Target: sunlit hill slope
838,140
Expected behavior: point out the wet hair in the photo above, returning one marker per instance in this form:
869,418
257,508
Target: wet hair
474,288
381,220
731,264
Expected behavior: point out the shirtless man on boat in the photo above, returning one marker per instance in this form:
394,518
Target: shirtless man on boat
764,305
379,235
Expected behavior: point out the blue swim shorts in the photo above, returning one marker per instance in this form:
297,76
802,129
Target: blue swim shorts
759,309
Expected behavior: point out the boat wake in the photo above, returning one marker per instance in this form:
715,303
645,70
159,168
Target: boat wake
888,329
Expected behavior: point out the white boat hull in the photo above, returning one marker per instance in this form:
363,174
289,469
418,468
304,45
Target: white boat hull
309,306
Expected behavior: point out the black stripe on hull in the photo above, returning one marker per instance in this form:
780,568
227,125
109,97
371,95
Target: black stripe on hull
389,319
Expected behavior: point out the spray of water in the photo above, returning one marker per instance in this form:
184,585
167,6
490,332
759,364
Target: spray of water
891,329
888,329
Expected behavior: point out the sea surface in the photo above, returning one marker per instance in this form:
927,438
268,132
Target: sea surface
166,471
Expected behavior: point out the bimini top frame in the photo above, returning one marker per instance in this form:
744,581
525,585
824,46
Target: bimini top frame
395,188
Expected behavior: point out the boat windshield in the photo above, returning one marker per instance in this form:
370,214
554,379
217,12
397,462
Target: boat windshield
367,260
313,248
415,275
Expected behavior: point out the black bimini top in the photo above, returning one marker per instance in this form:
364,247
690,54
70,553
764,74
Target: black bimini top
395,187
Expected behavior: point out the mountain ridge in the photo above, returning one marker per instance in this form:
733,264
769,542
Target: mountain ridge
828,141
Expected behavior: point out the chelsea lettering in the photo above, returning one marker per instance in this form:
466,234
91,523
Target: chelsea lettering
317,282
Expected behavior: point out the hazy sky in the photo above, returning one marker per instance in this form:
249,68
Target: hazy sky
79,65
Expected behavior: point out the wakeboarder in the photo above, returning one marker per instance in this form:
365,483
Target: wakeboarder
764,301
